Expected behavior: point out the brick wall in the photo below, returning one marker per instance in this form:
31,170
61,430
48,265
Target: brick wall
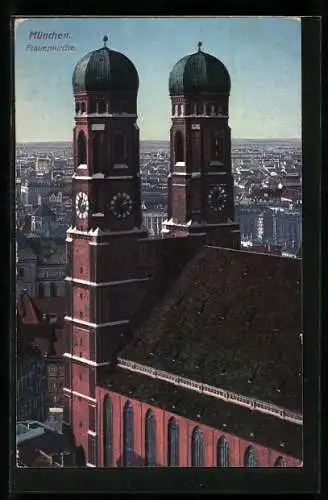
237,446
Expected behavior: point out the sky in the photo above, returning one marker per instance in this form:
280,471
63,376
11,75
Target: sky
262,55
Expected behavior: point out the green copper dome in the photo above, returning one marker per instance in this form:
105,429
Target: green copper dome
199,73
105,70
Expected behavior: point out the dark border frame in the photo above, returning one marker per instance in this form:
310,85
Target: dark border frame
301,480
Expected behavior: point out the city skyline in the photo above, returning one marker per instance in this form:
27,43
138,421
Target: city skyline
265,74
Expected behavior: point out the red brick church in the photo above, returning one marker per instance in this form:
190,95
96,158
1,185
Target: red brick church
182,350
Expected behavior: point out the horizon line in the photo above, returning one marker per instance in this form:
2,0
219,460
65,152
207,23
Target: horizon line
168,140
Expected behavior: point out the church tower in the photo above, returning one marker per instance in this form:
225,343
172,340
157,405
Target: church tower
104,283
200,181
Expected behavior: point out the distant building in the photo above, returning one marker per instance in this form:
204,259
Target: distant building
42,338
41,266
153,217
43,221
43,166
31,374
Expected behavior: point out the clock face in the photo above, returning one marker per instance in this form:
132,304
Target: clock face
82,205
121,205
217,198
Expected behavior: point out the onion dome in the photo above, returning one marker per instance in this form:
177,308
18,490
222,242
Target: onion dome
104,70
199,73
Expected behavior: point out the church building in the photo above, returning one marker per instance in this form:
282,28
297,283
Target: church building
181,349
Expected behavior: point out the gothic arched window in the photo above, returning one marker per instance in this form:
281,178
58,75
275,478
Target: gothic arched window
108,432
178,147
97,151
120,155
81,149
250,458
150,439
280,462
223,453
197,448
173,443
53,289
41,290
128,435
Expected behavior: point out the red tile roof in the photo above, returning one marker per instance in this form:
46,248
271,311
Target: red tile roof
30,313
232,320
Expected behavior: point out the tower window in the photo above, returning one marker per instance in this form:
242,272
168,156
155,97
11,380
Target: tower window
81,149
97,150
77,107
120,150
92,107
178,147
199,109
208,109
83,107
53,290
216,147
101,107
41,290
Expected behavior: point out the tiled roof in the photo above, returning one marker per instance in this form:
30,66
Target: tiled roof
232,320
30,313
52,305
260,428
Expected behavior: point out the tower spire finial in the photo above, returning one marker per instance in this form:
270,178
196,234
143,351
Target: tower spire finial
105,40
199,44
